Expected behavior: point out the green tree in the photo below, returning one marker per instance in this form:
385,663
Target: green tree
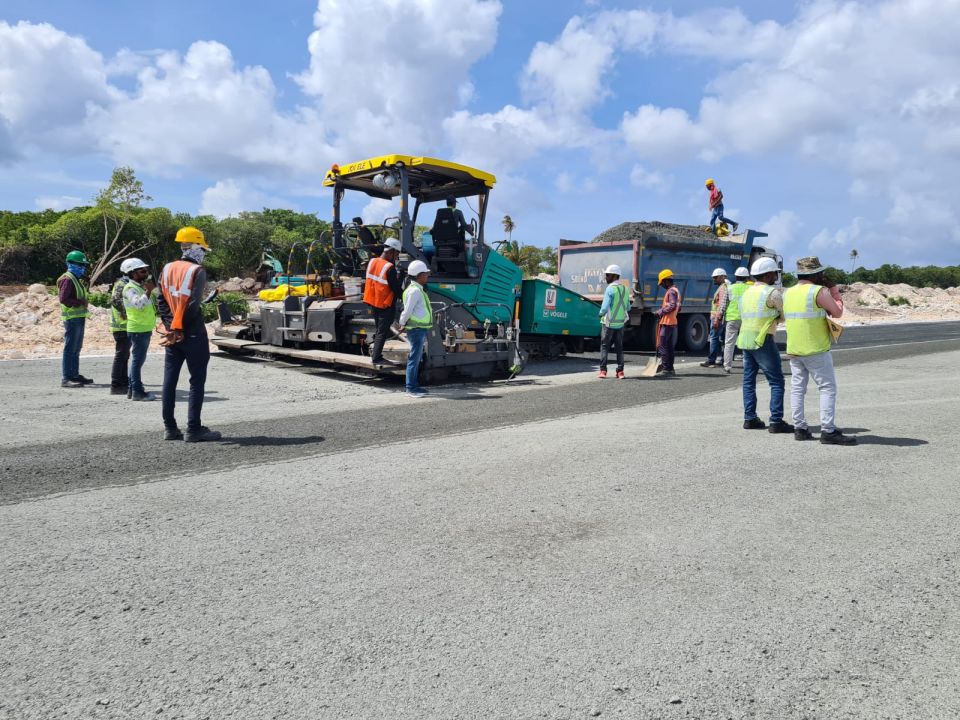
853,259
116,203
508,226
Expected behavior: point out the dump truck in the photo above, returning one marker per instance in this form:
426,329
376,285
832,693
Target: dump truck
642,250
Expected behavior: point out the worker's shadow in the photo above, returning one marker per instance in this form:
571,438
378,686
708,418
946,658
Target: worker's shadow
878,439
268,441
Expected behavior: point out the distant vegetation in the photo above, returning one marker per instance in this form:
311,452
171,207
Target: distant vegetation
925,276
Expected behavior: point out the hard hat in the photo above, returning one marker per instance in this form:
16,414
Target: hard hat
393,244
131,264
613,270
193,236
709,182
417,267
664,274
763,266
741,272
718,272
76,256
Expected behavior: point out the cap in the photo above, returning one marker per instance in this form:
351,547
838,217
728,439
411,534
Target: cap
809,265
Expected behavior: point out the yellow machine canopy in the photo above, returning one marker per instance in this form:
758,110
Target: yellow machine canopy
429,179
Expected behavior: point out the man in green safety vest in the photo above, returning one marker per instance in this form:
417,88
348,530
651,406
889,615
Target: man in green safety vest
118,328
718,313
417,320
806,306
614,312
74,298
139,300
732,317
761,308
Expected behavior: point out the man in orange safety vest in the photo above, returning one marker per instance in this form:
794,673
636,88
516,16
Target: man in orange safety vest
380,291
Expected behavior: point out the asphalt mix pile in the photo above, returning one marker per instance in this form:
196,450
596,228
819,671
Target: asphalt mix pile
632,231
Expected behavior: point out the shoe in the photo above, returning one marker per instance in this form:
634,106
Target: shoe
665,373
416,394
204,434
755,424
70,383
802,434
120,390
143,396
735,226
780,427
172,434
602,374
620,375
383,362
727,370
84,380
707,363
837,438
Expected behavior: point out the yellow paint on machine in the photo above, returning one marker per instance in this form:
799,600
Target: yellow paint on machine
386,161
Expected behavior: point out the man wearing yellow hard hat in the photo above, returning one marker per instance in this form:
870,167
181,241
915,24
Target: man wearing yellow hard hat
716,207
182,283
667,326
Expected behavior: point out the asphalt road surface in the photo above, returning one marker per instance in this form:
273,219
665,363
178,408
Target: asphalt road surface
554,547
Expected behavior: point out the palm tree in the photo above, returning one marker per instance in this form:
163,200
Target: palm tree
853,259
508,226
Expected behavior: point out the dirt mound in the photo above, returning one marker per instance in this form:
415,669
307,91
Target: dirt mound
878,302
632,230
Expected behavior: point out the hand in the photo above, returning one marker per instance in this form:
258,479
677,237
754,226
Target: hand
149,286
171,337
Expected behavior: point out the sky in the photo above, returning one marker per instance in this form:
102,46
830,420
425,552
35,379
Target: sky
831,125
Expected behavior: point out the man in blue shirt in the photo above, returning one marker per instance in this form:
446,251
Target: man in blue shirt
614,312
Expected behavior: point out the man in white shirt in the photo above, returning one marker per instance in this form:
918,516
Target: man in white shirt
417,320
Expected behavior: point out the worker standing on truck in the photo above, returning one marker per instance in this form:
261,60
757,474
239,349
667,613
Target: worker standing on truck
380,291
139,300
181,294
761,308
716,208
74,297
718,311
667,325
118,328
417,319
732,317
614,312
806,306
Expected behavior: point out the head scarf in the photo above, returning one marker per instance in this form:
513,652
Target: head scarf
195,253
77,269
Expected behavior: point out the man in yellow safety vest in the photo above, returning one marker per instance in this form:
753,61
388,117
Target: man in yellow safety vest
74,298
417,320
732,317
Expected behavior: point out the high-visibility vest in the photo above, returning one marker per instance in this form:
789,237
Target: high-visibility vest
424,319
807,330
140,320
176,284
616,315
758,318
376,290
671,318
118,320
733,307
73,313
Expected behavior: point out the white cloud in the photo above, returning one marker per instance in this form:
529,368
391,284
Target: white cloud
379,209
58,202
647,179
784,231
231,197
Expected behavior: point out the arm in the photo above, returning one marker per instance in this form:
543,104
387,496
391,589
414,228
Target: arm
393,282
829,299
164,311
68,294
137,301
462,223
775,301
607,300
723,300
117,299
194,310
671,298
409,305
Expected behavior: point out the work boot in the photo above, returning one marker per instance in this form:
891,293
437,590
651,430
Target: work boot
727,370
802,434
666,373
735,226
780,427
755,424
84,380
141,396
707,363
620,375
71,383
172,434
204,434
602,374
120,390
836,438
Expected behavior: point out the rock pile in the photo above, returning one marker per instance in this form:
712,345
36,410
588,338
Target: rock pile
877,302
632,231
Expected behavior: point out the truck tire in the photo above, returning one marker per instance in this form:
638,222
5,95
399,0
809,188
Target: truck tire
694,332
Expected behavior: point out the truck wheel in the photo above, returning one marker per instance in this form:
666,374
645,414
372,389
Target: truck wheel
694,332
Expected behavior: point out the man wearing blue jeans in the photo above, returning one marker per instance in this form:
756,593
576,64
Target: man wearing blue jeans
716,208
74,298
718,310
762,309
417,320
141,313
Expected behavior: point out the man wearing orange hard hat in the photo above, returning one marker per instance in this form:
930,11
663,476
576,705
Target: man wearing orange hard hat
667,325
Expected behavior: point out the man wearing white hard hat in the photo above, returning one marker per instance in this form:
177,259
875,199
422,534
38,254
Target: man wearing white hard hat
614,313
761,308
732,317
139,301
380,291
417,320
118,328
718,310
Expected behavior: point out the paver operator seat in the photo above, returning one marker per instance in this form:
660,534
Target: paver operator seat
450,243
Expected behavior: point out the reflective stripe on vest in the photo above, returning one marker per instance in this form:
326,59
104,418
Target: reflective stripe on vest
176,284
670,319
140,320
617,314
758,318
425,319
733,307
72,313
376,290
118,320
807,329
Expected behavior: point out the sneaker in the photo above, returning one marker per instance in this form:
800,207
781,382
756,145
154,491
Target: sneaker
204,434
84,380
780,427
143,396
120,390
602,374
837,438
172,434
620,375
383,362
727,370
666,373
802,434
755,424
71,383
735,226
707,363
416,394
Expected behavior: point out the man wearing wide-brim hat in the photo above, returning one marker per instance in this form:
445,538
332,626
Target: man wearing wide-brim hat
806,308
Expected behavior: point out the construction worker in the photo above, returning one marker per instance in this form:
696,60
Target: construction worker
459,221
732,316
718,311
716,208
139,300
806,306
364,234
667,325
74,298
761,308
118,328
417,320
614,312
380,292
181,293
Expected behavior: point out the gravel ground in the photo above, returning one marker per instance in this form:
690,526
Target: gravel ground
651,560
632,231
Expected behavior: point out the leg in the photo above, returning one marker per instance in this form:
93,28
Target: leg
618,341
139,344
768,356
667,334
714,214
750,369
197,355
384,319
72,341
798,390
417,338
605,337
716,342
121,355
730,343
821,368
172,362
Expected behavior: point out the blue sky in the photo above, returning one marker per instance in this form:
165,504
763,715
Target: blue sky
818,128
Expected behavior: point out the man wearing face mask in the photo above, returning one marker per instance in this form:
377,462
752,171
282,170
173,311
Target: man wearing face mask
182,284
74,296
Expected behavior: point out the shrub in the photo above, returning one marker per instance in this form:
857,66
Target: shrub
100,299
237,302
897,301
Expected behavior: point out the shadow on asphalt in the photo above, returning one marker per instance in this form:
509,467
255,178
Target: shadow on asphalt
267,441
892,441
